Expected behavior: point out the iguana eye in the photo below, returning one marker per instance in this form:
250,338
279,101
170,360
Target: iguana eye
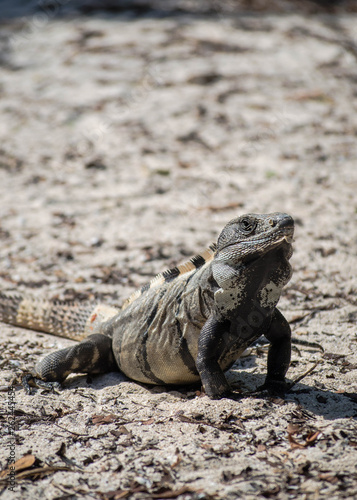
247,225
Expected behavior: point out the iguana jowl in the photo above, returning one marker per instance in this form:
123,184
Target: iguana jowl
189,323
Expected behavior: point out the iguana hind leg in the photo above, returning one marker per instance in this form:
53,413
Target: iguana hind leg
92,355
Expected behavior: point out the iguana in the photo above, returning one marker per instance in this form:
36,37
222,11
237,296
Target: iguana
189,323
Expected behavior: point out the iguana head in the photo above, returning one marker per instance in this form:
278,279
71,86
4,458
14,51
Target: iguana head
245,240
251,235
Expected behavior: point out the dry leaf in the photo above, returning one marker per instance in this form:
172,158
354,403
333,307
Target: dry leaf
148,422
261,447
311,438
22,463
293,428
103,419
173,493
329,477
294,444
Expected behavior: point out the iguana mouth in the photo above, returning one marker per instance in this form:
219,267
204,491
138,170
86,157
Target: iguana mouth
289,238
284,235
277,240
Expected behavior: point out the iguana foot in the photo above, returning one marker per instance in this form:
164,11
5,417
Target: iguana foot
233,395
228,394
217,388
274,388
219,395
29,380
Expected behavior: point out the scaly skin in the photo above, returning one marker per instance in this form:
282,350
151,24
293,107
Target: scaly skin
189,323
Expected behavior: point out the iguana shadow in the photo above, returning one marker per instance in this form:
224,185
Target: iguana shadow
319,402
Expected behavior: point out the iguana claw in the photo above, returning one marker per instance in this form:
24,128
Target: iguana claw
29,380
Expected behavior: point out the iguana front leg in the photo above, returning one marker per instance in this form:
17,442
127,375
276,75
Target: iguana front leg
210,341
212,377
92,355
279,335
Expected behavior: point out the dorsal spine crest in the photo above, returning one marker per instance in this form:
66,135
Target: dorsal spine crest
190,265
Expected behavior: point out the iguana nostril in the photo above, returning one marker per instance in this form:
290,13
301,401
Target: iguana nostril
287,222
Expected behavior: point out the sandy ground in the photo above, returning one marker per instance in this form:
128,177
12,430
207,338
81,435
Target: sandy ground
129,136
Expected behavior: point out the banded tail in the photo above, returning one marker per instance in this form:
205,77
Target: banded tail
71,320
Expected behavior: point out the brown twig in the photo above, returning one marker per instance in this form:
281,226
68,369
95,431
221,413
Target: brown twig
300,377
